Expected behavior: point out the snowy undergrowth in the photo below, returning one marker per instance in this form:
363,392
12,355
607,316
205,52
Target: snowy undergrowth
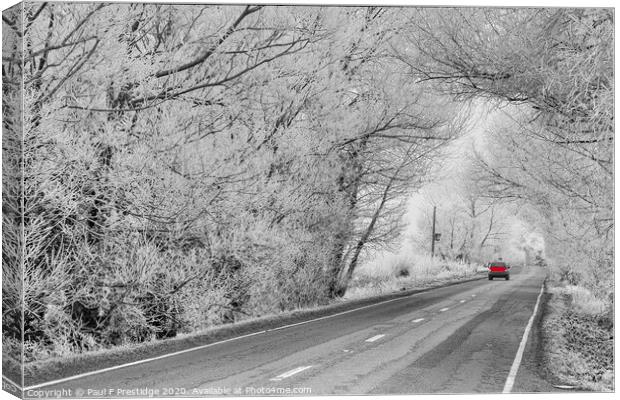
395,272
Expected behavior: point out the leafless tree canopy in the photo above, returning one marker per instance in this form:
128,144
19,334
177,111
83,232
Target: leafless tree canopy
180,166
552,70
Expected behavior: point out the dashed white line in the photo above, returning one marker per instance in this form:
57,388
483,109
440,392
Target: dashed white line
147,360
374,338
290,373
473,295
510,381
462,301
418,320
342,312
163,356
444,309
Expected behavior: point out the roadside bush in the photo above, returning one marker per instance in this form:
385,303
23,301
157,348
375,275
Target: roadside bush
397,271
11,347
120,294
294,277
402,272
584,302
588,358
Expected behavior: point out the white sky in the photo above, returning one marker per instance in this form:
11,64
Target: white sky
458,154
452,172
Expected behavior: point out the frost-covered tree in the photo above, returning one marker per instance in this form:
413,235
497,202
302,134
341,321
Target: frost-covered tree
554,68
191,165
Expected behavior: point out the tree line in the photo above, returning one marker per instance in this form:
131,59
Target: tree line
180,166
191,165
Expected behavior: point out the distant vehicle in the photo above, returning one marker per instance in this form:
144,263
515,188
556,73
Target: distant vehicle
498,269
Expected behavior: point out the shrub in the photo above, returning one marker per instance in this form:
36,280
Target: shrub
397,271
579,338
584,302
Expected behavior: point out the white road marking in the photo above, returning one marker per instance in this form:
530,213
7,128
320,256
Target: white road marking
444,309
342,313
418,320
510,381
374,338
473,295
137,362
462,301
290,373
11,382
146,360
567,387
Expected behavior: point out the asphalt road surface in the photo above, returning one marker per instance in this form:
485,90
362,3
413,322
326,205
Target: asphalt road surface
457,339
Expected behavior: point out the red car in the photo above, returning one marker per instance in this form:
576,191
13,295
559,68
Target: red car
498,269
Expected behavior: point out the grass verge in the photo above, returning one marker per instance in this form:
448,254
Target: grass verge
402,272
56,368
577,333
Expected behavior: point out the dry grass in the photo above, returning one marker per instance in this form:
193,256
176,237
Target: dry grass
401,272
578,330
369,285
57,367
584,302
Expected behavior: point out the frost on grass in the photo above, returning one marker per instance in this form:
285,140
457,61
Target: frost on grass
579,338
401,272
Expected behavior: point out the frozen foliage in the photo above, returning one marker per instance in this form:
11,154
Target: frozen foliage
181,166
551,72
406,271
192,165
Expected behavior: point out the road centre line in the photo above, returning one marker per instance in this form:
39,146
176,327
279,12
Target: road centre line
418,320
510,380
146,360
374,338
69,378
290,373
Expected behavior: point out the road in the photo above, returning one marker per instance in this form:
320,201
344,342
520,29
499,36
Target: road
456,339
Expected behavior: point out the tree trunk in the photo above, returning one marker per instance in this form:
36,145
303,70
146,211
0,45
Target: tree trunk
369,230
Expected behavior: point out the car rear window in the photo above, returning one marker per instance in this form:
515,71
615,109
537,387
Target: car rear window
498,264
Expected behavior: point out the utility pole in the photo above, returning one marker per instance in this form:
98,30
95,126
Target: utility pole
433,235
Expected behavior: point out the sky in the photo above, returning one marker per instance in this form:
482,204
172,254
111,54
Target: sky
457,155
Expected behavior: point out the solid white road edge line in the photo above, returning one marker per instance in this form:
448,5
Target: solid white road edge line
69,378
510,381
11,382
290,373
85,374
418,320
374,338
